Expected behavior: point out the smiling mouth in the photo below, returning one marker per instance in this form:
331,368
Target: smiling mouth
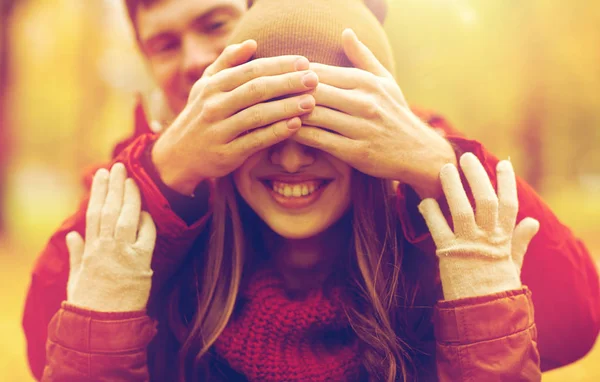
297,194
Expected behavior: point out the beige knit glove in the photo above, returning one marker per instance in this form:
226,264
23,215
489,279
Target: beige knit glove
110,271
485,252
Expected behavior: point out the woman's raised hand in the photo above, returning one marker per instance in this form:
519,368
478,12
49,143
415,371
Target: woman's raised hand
110,269
484,253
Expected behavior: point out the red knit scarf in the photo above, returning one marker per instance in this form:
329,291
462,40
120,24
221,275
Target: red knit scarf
275,338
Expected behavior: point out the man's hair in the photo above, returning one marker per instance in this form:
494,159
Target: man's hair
132,6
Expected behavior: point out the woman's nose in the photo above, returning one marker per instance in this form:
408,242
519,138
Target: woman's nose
291,155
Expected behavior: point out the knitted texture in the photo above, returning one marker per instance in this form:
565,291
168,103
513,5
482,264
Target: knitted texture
484,253
110,271
275,338
312,28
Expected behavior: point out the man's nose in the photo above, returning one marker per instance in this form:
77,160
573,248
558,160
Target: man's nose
198,54
291,155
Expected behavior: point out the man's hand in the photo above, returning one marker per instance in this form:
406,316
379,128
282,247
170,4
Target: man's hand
110,270
362,118
231,115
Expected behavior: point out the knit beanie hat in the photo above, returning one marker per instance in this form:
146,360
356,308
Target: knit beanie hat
313,29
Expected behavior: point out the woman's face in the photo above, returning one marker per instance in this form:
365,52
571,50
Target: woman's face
296,190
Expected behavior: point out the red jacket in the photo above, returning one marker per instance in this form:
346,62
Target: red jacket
489,338
557,268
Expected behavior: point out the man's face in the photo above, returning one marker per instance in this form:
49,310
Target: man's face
181,38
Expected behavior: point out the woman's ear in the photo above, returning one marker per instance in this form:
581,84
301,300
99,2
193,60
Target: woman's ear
379,8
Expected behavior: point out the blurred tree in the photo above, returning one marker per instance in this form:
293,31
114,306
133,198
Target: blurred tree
531,127
6,7
91,86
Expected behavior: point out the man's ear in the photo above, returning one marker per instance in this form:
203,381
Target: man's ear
378,7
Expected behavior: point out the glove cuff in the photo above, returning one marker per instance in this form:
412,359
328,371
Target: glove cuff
466,276
125,293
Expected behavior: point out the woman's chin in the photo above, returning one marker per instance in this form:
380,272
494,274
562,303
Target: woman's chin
294,233
302,226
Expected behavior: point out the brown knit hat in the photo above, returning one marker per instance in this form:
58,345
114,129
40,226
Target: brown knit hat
312,28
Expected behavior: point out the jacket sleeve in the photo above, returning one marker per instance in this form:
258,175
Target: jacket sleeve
489,338
558,268
91,346
49,277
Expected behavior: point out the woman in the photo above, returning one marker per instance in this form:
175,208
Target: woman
303,271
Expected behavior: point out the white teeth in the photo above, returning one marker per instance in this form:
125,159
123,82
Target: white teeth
296,190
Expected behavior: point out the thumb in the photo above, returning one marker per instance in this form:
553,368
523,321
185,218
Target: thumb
146,239
361,56
233,55
75,245
522,235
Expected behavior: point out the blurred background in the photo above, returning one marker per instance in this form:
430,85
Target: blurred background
523,77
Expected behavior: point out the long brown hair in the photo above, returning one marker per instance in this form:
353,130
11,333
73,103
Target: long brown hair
375,280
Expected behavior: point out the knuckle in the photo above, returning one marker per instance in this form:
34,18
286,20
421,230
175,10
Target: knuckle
489,204
463,215
257,89
109,213
123,226
276,131
291,82
512,206
209,112
254,145
290,106
196,91
371,79
252,70
256,117
313,136
371,108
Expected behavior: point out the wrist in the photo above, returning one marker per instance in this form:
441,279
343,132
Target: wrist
426,178
464,277
169,169
118,292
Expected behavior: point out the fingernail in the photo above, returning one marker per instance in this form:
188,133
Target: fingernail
307,103
294,124
301,64
310,80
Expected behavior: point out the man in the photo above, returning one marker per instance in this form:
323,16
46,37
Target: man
180,40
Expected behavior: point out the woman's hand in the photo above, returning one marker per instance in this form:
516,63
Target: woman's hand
110,270
362,118
485,252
